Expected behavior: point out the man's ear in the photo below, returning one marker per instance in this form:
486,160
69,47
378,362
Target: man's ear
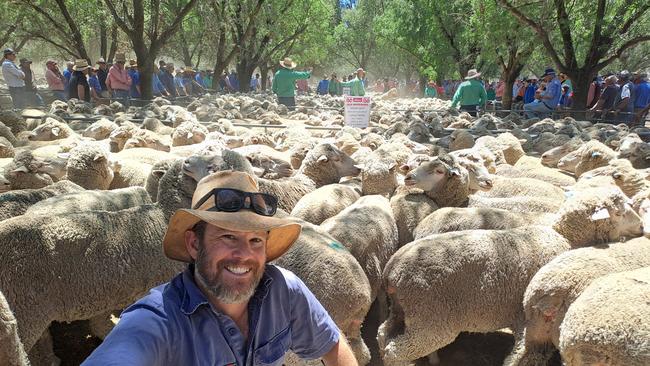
192,243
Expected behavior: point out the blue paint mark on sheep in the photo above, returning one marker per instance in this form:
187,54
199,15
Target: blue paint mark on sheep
336,245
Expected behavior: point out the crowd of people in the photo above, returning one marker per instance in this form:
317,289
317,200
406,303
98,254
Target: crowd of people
624,97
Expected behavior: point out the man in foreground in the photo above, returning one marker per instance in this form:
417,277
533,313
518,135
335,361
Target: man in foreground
228,307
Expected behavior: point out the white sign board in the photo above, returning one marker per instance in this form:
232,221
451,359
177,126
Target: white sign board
357,111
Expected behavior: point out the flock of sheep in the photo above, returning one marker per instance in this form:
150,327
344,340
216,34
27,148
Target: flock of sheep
408,229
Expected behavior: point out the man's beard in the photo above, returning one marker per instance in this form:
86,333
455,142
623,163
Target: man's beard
226,293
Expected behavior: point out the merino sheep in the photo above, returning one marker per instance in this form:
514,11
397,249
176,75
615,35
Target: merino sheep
102,260
91,200
89,167
368,230
545,174
409,209
269,167
557,285
460,139
378,176
443,179
335,277
16,202
154,124
7,134
449,219
5,185
23,172
6,148
146,138
129,174
593,155
324,164
516,203
508,187
551,158
471,281
638,153
325,202
12,352
624,175
101,129
596,215
144,155
188,133
157,171
608,323
50,130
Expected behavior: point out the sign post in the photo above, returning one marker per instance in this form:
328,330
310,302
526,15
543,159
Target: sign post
357,111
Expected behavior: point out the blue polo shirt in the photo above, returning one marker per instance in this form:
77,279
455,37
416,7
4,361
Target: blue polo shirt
175,325
554,89
642,95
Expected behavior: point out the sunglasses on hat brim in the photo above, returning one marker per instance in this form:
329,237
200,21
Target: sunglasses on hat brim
233,200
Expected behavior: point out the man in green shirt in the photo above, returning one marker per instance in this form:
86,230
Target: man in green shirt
284,82
356,85
430,90
335,86
470,93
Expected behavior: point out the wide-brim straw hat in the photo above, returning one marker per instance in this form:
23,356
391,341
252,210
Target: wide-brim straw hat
288,63
80,65
282,232
119,57
133,63
472,74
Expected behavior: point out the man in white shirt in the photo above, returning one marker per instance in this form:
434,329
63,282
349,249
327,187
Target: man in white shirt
14,77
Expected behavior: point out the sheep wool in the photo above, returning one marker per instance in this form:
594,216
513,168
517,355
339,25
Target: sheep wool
89,167
23,172
559,283
470,281
325,202
409,209
91,200
597,215
12,352
16,202
608,323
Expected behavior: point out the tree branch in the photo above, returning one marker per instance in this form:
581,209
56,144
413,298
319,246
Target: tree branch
629,44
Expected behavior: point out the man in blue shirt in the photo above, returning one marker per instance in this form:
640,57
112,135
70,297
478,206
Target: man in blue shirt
323,86
229,307
641,95
135,79
67,74
548,100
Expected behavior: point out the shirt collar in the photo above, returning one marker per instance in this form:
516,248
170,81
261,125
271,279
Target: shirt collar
193,298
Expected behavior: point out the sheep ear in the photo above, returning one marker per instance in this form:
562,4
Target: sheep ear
189,135
596,154
99,157
404,168
372,145
392,166
322,159
63,155
617,175
360,166
158,173
454,171
21,169
600,214
56,131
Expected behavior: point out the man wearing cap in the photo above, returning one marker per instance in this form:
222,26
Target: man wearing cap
14,77
284,82
470,94
55,80
118,80
167,79
356,84
624,105
229,307
548,99
79,87
31,94
102,74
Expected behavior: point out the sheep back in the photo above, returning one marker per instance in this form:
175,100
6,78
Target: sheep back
92,200
16,202
325,202
88,166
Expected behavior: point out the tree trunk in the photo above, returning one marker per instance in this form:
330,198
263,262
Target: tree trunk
103,38
580,80
264,73
145,67
244,73
509,75
113,48
423,83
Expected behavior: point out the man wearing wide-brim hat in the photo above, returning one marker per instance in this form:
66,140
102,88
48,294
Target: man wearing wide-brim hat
470,94
284,82
118,80
14,77
547,100
229,307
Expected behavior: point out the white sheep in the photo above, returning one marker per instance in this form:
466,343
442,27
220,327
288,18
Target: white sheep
470,281
24,172
409,209
548,175
559,283
460,139
16,202
325,202
378,176
51,129
551,157
89,167
608,323
100,129
12,352
91,200
188,133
